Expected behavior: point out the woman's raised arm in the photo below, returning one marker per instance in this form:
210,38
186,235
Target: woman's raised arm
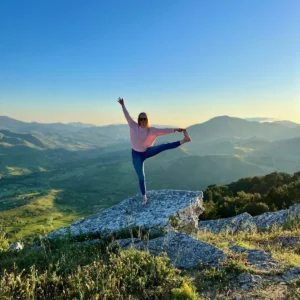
130,121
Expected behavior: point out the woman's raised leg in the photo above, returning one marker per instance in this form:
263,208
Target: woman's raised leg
154,150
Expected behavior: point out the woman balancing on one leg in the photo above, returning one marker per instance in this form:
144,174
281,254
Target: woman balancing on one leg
142,137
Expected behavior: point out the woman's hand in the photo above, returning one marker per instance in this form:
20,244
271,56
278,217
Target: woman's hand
178,129
121,101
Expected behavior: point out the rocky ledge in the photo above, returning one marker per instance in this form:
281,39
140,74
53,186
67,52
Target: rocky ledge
166,209
248,223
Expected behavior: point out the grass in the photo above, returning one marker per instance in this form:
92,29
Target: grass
217,282
15,171
243,149
37,217
67,266
68,271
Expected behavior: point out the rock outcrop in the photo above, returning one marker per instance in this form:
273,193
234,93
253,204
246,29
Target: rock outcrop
183,250
258,258
247,222
291,274
166,209
249,281
278,218
234,224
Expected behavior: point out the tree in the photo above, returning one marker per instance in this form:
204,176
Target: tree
255,209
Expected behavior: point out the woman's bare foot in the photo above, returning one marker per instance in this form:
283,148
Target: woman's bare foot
145,200
187,137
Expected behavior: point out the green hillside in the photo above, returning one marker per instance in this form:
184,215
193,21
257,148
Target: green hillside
39,214
87,186
10,139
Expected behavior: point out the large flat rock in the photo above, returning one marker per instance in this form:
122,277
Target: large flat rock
183,250
166,209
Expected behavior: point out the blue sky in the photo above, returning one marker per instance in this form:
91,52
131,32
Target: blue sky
182,62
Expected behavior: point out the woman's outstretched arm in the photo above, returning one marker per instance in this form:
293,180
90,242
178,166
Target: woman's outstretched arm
130,121
165,131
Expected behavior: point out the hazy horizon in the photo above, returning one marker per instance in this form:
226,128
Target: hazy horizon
183,63
251,119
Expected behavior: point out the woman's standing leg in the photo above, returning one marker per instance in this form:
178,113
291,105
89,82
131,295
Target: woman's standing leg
138,163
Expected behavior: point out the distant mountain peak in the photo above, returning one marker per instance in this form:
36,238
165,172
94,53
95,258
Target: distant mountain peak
226,118
261,119
8,119
80,124
287,123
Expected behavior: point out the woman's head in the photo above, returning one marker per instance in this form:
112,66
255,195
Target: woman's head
143,120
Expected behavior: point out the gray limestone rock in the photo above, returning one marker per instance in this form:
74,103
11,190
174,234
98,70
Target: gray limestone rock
249,281
248,223
36,247
234,224
267,220
278,218
166,209
183,250
16,246
292,274
258,258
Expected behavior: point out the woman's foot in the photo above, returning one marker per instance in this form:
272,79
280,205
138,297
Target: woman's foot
145,200
187,137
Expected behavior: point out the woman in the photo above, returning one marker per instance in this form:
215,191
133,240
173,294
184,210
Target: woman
142,137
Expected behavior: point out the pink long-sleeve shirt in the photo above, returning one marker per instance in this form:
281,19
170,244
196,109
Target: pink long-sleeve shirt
143,138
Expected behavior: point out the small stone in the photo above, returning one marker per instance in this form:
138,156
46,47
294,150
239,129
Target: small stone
291,274
36,247
249,281
16,246
246,287
244,278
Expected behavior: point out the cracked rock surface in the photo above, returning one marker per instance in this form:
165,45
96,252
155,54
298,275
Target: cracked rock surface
166,209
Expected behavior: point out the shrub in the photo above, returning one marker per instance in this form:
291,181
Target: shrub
127,275
4,245
255,209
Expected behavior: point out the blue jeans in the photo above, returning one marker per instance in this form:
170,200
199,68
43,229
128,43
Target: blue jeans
138,159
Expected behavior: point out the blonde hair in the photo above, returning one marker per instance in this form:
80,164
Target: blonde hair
148,121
